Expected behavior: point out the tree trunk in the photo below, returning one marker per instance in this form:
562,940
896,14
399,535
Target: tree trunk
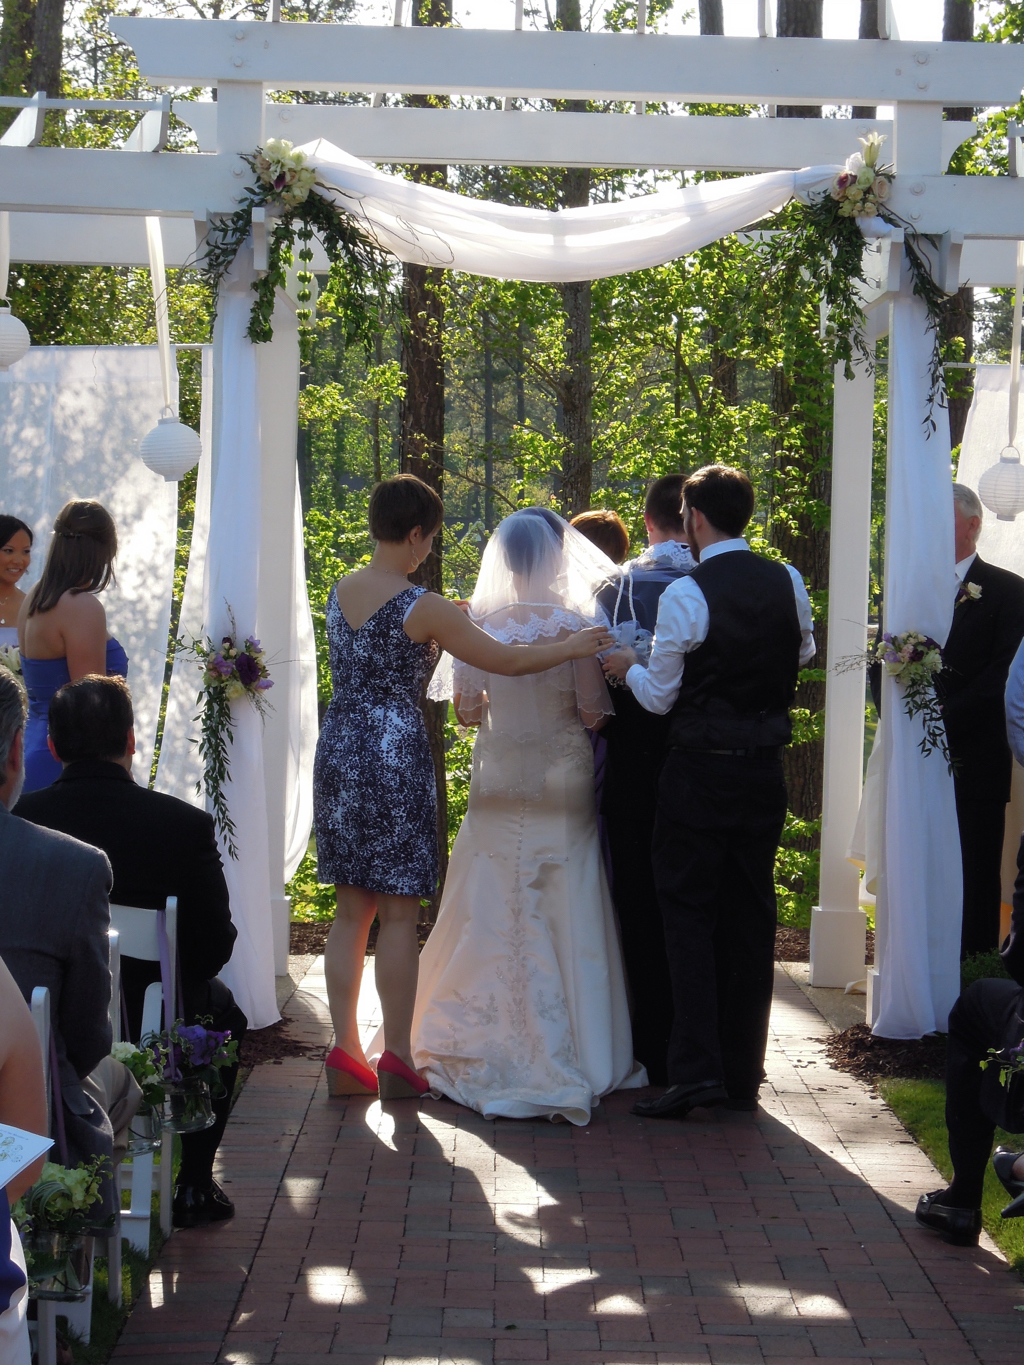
15,53
422,422
712,20
868,29
807,546
48,45
575,417
798,19
958,314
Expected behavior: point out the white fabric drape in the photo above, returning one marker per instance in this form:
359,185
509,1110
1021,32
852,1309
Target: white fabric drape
229,574
1001,542
428,226
71,418
920,889
303,717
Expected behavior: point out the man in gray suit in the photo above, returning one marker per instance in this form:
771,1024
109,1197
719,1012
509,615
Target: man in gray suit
54,917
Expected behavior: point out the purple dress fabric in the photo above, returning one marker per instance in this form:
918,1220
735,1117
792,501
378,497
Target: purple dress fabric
374,801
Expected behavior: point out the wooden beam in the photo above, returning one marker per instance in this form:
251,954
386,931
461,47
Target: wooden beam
537,138
88,180
594,66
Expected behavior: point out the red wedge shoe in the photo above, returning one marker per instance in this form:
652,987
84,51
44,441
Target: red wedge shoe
397,1081
346,1076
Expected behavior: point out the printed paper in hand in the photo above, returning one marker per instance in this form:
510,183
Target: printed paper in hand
19,1149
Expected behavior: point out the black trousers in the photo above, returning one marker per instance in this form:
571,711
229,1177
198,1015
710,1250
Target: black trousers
989,1014
981,849
643,936
719,821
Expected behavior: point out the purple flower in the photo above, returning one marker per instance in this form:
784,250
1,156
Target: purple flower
264,684
254,645
248,669
218,664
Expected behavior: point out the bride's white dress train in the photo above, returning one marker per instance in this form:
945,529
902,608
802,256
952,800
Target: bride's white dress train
521,1009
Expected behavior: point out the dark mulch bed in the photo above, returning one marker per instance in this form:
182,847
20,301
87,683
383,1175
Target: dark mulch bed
273,1044
794,945
309,937
871,1059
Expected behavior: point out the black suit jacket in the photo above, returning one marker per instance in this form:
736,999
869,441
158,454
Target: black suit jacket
158,846
982,642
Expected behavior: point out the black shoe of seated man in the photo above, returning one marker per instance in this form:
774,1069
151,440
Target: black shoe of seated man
195,1208
678,1100
1003,1161
961,1227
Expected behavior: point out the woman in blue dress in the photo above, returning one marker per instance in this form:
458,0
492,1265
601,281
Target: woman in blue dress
374,799
62,627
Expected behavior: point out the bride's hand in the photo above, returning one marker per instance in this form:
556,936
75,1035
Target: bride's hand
584,644
618,664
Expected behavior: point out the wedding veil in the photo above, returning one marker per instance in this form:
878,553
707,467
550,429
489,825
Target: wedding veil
539,580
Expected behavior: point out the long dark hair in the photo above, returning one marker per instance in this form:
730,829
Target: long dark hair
9,528
81,554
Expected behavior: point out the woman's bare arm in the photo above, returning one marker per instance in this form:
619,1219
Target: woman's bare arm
435,618
22,1098
84,627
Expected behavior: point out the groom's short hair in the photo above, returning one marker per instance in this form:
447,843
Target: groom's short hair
664,503
723,494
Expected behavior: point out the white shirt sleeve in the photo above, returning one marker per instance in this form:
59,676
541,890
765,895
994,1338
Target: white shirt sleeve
803,611
682,625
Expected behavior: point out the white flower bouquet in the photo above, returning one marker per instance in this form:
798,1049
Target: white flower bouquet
863,185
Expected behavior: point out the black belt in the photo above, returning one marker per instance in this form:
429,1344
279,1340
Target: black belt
762,751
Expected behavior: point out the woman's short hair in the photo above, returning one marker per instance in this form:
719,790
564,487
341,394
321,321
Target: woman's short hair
606,530
664,503
13,712
9,528
90,718
80,557
723,494
399,505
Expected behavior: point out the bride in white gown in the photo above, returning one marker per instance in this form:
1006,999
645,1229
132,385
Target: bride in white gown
521,1008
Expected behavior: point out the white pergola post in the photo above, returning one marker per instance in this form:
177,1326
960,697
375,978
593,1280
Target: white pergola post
279,395
838,925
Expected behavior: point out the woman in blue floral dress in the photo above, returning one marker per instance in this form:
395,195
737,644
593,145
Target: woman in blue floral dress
373,783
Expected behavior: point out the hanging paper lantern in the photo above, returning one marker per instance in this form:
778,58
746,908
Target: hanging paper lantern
1001,487
14,339
170,449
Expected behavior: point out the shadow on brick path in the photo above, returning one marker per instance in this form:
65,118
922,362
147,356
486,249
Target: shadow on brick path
422,1233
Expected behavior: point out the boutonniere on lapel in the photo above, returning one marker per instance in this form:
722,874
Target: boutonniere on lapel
969,592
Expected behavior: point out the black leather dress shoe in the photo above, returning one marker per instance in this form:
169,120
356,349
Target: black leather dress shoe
195,1208
1003,1161
678,1100
961,1227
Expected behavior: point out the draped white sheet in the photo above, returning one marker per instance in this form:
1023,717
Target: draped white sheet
920,887
71,418
428,226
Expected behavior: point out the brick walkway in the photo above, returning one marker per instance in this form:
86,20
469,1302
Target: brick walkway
430,1235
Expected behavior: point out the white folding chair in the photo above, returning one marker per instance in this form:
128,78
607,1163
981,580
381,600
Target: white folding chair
139,936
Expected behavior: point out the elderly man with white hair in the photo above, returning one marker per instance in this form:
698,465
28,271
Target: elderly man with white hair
988,625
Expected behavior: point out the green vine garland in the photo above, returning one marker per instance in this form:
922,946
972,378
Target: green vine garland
298,214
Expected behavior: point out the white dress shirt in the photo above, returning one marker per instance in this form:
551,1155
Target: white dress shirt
683,622
962,565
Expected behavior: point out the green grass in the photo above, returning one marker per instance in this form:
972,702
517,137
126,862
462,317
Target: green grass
920,1106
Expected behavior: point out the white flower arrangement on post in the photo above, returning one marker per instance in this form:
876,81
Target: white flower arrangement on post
863,186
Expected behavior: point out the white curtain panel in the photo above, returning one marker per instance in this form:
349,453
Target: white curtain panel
920,887
428,226
985,436
71,419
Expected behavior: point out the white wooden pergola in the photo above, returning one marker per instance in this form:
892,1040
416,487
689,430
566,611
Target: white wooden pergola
80,206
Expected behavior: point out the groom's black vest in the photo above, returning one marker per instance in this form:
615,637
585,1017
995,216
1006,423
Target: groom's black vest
738,685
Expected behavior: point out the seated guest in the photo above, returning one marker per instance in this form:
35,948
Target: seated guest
54,919
606,530
158,846
988,624
22,1105
989,1014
